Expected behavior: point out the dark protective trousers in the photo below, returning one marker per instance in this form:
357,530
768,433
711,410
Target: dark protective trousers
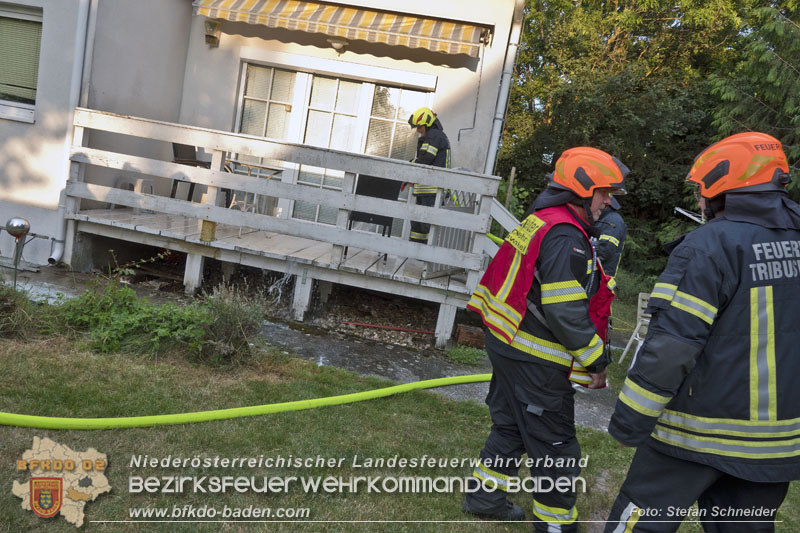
533,411
420,230
660,490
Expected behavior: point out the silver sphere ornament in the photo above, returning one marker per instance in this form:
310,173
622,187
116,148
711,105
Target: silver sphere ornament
18,227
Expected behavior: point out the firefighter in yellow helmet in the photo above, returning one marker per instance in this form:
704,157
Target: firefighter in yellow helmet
433,148
545,302
711,399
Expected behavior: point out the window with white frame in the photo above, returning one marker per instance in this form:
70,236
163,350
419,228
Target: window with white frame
20,41
266,108
389,133
328,112
332,122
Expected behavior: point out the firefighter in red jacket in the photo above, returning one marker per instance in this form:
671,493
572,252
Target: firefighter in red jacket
711,399
545,303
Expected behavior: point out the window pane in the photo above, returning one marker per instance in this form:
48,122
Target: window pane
410,101
348,97
334,179
384,102
310,175
304,210
405,143
19,59
323,93
278,121
257,81
380,133
253,114
328,214
318,128
344,131
283,86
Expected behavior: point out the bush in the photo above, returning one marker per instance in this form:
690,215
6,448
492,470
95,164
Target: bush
629,285
118,320
237,320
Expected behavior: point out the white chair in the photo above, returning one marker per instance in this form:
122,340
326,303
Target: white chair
642,321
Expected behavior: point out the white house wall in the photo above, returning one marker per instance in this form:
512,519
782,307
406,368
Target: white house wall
33,156
213,73
138,69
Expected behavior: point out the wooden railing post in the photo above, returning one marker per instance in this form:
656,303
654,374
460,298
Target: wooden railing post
342,219
484,209
71,204
193,273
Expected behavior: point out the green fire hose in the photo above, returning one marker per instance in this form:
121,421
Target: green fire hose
46,422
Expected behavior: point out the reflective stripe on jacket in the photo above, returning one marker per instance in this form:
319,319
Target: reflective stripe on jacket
501,297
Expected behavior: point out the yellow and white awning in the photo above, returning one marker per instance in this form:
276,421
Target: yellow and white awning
350,22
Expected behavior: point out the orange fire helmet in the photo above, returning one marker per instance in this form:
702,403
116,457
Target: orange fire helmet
745,162
583,169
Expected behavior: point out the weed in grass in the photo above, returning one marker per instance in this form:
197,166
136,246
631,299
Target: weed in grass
19,317
466,355
238,316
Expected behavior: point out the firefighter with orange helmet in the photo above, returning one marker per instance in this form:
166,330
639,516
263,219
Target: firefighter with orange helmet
710,399
545,302
433,148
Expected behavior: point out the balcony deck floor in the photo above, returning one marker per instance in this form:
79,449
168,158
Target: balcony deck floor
247,241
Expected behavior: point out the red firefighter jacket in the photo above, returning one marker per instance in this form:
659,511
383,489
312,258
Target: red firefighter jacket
502,299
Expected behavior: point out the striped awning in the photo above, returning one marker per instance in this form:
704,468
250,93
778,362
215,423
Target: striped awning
350,22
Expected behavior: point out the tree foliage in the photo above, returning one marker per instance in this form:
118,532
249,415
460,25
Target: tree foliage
653,83
763,91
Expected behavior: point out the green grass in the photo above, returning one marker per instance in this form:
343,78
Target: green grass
57,378
466,355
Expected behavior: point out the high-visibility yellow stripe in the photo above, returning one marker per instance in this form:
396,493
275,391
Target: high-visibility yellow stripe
351,22
590,353
609,238
578,374
542,348
554,515
628,518
508,282
768,449
751,429
499,306
642,400
685,301
430,149
490,477
562,291
481,302
664,290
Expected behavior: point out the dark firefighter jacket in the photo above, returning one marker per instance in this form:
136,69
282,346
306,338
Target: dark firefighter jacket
534,296
432,149
612,232
715,381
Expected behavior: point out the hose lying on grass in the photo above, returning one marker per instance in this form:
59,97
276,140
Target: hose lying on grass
47,422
